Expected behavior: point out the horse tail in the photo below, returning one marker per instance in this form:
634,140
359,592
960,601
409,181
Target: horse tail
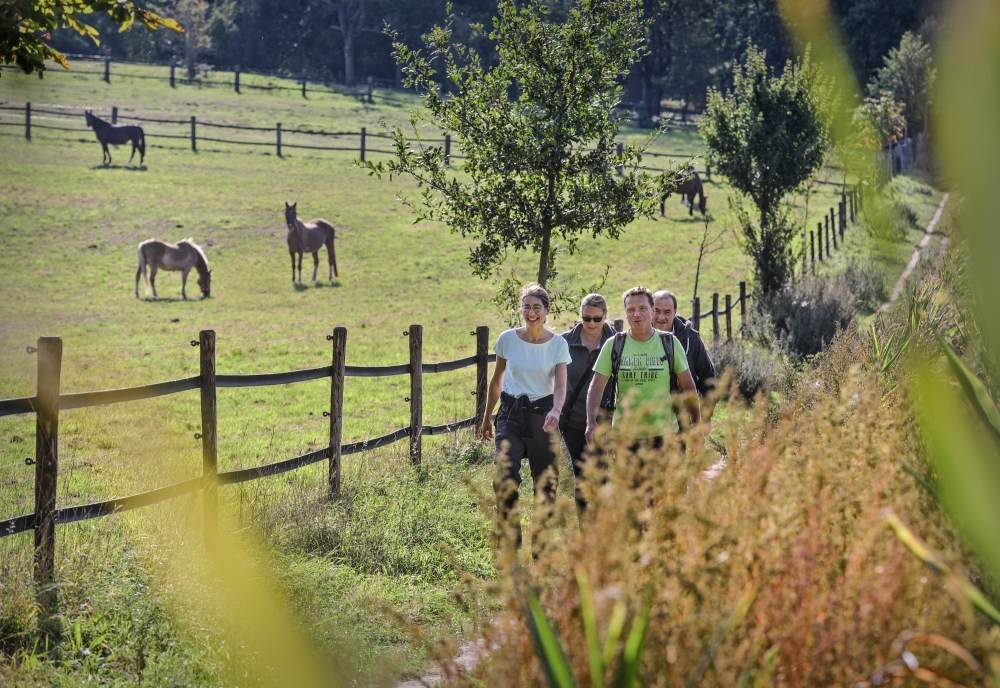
333,251
142,143
141,271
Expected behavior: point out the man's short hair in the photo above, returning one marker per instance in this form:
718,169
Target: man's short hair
637,291
664,294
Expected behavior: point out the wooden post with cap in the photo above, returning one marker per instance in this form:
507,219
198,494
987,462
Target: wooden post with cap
729,318
46,405
743,306
339,339
416,334
209,434
482,371
715,317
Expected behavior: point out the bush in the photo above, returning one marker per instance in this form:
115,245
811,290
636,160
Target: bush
754,368
808,314
887,219
868,285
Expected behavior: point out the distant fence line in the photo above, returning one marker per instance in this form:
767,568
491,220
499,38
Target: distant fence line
29,119
49,401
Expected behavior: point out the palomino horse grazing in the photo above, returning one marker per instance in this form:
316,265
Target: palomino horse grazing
309,237
118,134
688,189
182,256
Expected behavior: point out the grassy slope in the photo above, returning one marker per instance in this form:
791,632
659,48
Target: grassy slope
69,228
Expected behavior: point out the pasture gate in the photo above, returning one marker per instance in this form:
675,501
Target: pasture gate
49,401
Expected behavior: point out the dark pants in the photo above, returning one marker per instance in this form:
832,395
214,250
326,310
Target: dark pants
576,445
511,448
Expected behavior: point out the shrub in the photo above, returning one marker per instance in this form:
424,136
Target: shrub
868,285
887,219
808,314
754,368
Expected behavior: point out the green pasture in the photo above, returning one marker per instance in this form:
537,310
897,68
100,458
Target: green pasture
69,228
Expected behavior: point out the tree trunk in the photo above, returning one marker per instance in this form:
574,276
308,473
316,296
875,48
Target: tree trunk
543,263
347,29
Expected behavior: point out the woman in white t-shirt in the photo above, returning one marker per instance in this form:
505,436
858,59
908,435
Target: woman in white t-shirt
530,382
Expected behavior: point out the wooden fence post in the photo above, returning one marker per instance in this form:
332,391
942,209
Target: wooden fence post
715,317
339,339
812,249
107,70
41,74
619,324
696,312
835,238
729,318
277,133
369,89
303,83
743,306
708,173
416,391
236,78
27,121
482,371
194,135
843,215
172,68
114,114
209,435
828,241
805,259
447,149
363,132
46,469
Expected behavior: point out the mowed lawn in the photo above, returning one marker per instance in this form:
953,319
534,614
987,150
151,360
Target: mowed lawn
69,228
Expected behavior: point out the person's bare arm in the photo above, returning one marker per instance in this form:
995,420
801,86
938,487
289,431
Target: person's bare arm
492,396
594,395
686,382
558,399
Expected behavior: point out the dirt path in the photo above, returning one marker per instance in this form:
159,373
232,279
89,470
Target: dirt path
915,258
469,655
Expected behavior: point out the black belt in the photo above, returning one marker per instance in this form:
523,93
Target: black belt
516,411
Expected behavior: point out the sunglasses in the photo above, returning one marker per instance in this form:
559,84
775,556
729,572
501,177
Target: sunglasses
596,318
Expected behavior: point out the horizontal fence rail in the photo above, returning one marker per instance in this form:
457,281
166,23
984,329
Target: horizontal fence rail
48,403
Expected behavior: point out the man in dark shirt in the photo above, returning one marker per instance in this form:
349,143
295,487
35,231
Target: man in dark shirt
665,318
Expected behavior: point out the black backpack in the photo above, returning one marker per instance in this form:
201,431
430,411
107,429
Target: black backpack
666,338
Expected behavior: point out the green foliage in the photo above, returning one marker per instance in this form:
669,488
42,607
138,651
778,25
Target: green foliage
768,136
27,25
879,121
539,166
909,76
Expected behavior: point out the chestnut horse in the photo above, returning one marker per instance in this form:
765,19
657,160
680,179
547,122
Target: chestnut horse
182,256
310,237
688,189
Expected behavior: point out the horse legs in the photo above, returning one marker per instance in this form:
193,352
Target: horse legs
315,264
690,204
291,254
152,278
106,159
300,268
133,151
184,281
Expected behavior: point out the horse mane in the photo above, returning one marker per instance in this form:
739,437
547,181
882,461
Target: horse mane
196,247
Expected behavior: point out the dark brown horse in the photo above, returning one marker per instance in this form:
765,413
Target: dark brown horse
688,189
310,237
117,134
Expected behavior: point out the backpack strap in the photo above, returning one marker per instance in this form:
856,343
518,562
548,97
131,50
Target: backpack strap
616,354
667,339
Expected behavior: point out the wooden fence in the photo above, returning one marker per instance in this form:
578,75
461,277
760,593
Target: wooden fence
835,222
49,401
191,130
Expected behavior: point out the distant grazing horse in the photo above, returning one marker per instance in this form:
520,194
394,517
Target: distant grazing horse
182,256
310,237
688,189
117,134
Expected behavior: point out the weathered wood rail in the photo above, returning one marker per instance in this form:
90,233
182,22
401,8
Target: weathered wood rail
48,402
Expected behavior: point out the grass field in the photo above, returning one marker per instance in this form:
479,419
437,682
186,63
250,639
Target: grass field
69,229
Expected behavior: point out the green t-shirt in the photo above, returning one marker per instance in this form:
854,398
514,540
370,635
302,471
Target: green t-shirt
643,382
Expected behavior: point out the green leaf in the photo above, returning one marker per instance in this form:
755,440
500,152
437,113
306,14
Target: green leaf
547,648
632,654
974,389
590,629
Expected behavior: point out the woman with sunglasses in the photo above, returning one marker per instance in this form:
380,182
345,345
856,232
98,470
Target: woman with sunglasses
585,340
529,379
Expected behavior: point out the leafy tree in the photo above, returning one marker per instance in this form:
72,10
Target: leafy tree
768,136
879,121
908,75
537,129
26,26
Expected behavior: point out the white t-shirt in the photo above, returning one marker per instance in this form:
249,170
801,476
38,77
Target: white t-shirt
531,368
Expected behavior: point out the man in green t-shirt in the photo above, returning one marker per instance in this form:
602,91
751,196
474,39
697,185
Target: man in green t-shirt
643,377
